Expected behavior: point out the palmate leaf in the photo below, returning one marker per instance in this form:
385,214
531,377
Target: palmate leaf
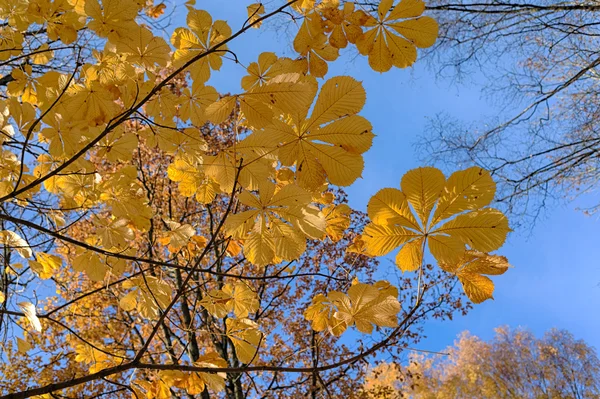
337,218
470,270
364,305
391,39
324,147
276,226
246,338
202,34
238,297
404,219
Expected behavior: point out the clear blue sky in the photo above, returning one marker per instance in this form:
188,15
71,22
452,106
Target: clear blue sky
555,281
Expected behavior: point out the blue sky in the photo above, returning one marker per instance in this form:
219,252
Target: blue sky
555,281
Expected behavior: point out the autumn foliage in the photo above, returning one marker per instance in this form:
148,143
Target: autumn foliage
514,363
160,239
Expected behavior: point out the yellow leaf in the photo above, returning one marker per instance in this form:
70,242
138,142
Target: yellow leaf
381,43
195,102
366,305
201,36
141,47
407,9
389,206
467,189
111,18
279,226
217,302
46,265
188,175
113,233
446,250
484,230
246,338
290,243
410,256
43,56
327,146
319,313
382,239
339,96
254,12
257,113
152,295
207,191
244,300
288,92
220,110
259,248
422,32
482,263
216,381
460,244
478,288
129,301
179,234
90,263
338,220
422,187
22,345
344,23
267,67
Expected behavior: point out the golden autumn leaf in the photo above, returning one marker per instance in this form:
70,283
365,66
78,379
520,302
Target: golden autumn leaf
152,295
255,11
178,234
246,338
328,145
90,263
267,67
311,42
23,345
337,219
343,24
111,18
201,35
279,224
477,287
364,305
45,265
237,298
462,198
144,49
216,381
470,271
391,39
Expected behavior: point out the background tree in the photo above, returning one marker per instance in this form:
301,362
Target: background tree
538,62
514,364
162,240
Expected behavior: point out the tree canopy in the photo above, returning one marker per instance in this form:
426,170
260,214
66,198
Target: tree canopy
514,364
161,239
